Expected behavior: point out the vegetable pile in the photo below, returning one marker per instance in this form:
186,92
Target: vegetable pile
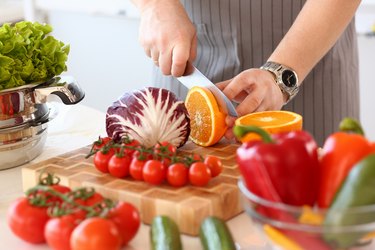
285,168
155,164
28,54
72,219
149,116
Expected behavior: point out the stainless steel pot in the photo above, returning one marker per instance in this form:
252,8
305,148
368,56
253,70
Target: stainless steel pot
24,117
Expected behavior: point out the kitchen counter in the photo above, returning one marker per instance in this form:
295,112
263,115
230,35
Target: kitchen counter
77,126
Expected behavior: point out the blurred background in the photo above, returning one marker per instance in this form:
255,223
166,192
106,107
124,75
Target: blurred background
107,59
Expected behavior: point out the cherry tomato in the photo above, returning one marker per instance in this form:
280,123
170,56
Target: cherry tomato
177,175
58,231
166,162
101,142
154,172
214,164
142,155
51,198
165,148
199,174
95,233
129,151
118,166
197,157
27,221
136,169
127,219
101,160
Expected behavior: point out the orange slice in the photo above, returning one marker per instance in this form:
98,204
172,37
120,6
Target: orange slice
207,122
271,121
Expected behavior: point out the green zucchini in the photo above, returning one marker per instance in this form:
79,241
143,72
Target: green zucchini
165,234
215,235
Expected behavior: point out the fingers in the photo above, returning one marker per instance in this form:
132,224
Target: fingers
180,56
193,48
155,56
165,62
223,84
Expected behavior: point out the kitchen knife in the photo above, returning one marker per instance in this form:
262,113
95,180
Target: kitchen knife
193,77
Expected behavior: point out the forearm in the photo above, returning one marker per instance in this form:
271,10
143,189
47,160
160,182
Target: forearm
316,29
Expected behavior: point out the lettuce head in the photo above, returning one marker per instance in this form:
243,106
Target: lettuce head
28,54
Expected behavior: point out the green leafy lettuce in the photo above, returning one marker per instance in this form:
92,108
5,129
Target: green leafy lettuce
28,54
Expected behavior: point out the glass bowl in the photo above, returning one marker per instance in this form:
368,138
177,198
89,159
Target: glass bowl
290,227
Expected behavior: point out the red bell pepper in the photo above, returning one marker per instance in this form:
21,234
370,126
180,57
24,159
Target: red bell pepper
282,168
341,151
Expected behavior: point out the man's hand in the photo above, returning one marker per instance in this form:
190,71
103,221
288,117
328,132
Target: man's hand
255,90
168,36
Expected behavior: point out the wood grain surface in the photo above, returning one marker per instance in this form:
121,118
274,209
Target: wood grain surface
188,205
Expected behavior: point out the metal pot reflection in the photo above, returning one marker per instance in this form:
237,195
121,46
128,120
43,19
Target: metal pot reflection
24,117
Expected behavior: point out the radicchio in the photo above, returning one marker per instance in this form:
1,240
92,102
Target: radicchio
149,115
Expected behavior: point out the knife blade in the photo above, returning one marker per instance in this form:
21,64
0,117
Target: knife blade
193,77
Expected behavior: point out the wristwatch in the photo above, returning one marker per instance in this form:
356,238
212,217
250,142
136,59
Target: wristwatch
285,77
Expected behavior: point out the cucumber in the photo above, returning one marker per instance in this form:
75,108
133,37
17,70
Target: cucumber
165,234
215,235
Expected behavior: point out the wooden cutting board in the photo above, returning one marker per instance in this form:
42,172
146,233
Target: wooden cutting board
188,205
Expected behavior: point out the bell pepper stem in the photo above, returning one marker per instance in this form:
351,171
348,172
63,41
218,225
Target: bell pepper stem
351,125
240,131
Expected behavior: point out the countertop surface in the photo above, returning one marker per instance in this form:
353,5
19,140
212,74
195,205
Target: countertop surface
77,126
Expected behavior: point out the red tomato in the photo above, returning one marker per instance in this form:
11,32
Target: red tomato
214,164
58,231
136,169
126,217
27,221
166,162
130,151
199,174
51,198
96,233
101,160
197,158
119,166
154,172
101,142
177,175
165,148
90,201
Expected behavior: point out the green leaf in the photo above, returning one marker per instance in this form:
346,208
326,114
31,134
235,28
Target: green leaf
29,54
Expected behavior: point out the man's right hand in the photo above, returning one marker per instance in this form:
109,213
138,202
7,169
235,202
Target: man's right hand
167,35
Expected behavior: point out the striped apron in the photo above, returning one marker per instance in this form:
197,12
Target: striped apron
235,35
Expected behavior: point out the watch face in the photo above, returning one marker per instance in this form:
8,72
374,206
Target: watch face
289,78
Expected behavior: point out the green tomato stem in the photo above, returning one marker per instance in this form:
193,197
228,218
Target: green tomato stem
240,131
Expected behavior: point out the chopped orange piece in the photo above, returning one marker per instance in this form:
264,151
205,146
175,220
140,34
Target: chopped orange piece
272,121
207,122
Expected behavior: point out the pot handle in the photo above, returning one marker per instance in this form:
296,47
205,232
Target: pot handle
65,87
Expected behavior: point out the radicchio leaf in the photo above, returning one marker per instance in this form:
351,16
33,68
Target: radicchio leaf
150,115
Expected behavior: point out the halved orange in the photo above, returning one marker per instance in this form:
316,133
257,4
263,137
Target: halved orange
207,122
272,121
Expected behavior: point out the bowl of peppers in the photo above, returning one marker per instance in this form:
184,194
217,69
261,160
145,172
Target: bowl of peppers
305,197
